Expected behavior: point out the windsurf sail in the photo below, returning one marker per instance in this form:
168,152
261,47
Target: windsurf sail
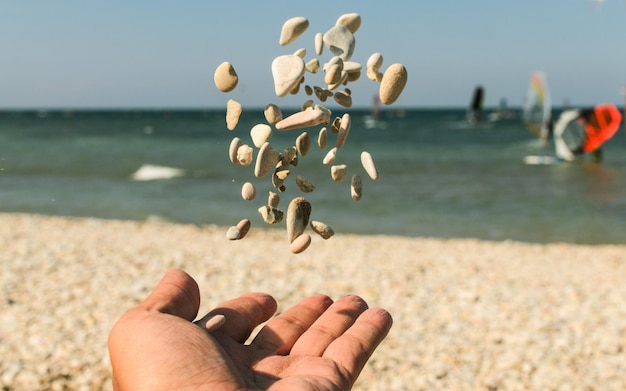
579,131
475,110
537,110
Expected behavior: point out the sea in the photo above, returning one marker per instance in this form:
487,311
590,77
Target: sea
439,176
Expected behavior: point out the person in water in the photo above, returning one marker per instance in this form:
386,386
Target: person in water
588,116
317,344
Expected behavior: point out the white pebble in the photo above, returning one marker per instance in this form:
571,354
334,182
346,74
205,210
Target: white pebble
368,165
339,172
248,192
292,29
233,111
260,134
287,71
330,156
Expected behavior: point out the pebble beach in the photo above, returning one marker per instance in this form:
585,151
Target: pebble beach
468,314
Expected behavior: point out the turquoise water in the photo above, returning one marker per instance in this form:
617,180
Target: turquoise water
439,177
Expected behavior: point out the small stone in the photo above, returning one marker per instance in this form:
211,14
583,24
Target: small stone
304,184
374,74
260,134
278,178
342,81
244,155
375,61
266,160
273,199
344,130
312,66
287,71
351,21
233,111
298,214
330,156
339,172
308,90
292,29
239,231
308,104
271,215
303,144
322,138
333,74
290,156
300,53
233,233
343,98
248,192
272,114
319,43
356,187
335,125
392,84
232,150
335,60
321,93
301,243
340,41
303,119
225,77
322,229
368,165
244,226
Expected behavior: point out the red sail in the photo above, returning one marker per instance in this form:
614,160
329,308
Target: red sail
600,126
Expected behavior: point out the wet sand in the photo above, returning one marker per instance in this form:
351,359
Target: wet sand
468,314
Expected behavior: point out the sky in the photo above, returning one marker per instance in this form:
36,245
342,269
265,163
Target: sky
163,54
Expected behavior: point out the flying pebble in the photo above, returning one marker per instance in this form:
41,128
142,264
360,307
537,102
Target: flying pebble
225,77
287,71
292,29
392,84
233,112
368,165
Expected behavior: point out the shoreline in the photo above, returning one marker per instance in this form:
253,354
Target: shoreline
468,313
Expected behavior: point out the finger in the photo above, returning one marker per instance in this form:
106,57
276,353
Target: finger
177,294
243,314
354,347
329,326
280,333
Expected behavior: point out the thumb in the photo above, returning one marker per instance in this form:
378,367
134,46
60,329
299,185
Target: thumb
177,294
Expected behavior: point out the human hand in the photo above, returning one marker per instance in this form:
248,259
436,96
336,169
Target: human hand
314,345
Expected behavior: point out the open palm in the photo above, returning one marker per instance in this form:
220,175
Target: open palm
315,345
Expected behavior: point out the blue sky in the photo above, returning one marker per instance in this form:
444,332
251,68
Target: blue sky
136,54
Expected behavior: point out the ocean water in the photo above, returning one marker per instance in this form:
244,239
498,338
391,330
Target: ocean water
439,177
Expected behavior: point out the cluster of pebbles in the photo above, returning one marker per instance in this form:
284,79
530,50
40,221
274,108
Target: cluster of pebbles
288,72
